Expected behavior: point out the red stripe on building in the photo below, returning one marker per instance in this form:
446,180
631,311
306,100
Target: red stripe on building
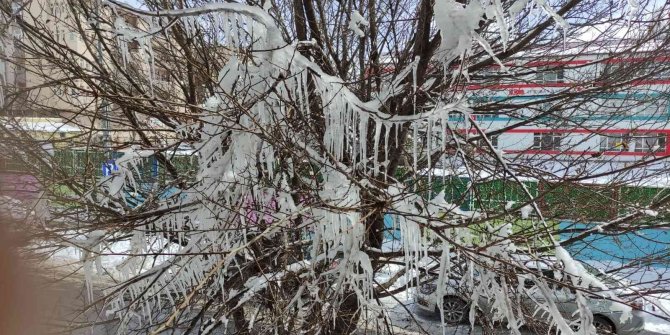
585,153
559,62
586,131
550,85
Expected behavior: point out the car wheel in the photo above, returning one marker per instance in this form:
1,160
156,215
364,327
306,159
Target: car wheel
603,326
454,309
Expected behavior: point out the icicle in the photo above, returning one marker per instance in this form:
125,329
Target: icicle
235,22
300,93
353,145
500,20
363,131
443,276
397,131
378,130
387,133
415,66
2,90
122,41
149,58
443,132
415,146
225,28
224,190
429,135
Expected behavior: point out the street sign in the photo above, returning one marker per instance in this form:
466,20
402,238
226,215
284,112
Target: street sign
108,167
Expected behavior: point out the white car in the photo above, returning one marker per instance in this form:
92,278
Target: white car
607,314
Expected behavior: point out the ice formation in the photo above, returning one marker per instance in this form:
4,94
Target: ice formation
230,207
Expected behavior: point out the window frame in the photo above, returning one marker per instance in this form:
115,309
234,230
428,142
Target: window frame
494,141
549,141
621,143
641,142
543,71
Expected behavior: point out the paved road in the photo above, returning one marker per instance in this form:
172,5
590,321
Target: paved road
411,320
65,303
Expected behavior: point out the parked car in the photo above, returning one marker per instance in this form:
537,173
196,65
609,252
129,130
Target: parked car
607,313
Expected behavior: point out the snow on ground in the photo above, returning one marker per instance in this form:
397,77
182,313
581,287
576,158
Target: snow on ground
652,278
654,326
405,316
112,258
661,306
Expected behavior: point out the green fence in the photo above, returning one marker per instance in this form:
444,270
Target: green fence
557,200
579,201
495,194
640,196
81,162
486,195
455,188
89,163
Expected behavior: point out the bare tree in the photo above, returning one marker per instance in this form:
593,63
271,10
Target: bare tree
304,124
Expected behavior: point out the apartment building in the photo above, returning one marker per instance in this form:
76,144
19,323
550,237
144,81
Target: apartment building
43,87
563,107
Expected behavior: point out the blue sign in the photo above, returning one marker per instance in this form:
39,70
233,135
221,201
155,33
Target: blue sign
390,233
108,167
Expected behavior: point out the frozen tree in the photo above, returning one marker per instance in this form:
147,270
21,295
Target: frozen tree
310,121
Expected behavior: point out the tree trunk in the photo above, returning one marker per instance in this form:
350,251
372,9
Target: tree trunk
347,316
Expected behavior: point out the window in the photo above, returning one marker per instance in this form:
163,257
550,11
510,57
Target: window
629,105
20,77
494,141
481,143
19,62
485,116
489,75
57,10
653,70
16,8
72,36
614,142
649,142
641,70
613,69
134,46
547,141
547,74
455,116
617,106
479,99
131,21
162,74
84,64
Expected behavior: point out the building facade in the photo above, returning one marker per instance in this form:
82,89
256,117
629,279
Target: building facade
38,83
592,107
